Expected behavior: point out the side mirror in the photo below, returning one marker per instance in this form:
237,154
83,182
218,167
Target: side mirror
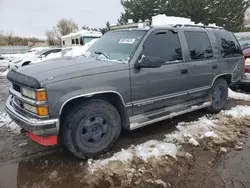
148,62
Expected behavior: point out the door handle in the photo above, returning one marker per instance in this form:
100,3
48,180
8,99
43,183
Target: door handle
184,71
214,66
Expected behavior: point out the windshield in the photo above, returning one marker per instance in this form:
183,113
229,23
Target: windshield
244,42
41,51
117,45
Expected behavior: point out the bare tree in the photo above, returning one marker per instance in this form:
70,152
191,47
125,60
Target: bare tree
50,38
9,38
64,27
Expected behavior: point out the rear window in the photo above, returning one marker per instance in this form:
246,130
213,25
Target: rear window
228,44
199,45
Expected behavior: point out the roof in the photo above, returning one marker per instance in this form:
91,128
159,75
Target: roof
83,33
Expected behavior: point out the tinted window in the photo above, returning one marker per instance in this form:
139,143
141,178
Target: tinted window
81,41
163,45
73,41
228,44
77,41
199,45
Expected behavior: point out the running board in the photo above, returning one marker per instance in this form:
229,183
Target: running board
136,125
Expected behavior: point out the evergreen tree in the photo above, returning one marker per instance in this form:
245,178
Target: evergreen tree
227,13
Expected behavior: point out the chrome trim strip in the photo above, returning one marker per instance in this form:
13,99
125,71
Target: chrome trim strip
30,121
27,100
90,95
154,99
138,125
150,100
199,89
26,111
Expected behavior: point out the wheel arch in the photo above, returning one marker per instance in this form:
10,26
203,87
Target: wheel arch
26,63
225,76
113,97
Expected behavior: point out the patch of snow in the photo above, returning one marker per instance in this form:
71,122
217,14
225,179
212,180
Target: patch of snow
5,121
4,73
222,149
163,20
193,142
238,111
247,75
123,156
22,144
210,134
238,96
187,132
154,148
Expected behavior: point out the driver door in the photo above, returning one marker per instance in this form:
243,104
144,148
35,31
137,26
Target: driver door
164,86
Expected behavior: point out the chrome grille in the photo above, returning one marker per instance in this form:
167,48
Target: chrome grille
16,87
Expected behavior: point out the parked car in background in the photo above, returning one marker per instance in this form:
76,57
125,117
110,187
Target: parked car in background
35,58
246,53
38,49
243,39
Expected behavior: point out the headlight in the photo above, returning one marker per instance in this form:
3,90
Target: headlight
247,61
29,93
39,95
39,110
30,108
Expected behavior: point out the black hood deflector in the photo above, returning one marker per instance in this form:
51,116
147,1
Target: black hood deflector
22,79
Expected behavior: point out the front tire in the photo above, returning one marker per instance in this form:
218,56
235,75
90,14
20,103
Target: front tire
91,128
219,95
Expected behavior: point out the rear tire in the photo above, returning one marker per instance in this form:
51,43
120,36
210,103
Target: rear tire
91,128
219,95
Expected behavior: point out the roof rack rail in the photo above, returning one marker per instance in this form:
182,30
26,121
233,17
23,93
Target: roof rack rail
200,26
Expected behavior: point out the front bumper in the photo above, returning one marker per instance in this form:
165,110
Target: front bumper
40,127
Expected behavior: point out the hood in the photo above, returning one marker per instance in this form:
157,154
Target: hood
62,68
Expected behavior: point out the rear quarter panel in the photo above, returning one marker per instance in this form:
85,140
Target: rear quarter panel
232,65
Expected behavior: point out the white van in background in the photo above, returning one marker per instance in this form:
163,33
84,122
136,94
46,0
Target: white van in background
79,38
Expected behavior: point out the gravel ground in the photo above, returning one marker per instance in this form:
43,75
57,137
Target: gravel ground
24,163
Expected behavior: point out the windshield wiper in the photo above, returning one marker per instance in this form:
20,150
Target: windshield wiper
104,54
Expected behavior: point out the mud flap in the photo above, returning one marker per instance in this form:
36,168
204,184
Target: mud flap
45,141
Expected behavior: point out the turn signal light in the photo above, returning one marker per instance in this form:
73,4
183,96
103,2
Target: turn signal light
43,110
41,95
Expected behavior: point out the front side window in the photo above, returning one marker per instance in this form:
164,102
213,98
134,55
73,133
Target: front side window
73,41
63,42
77,41
117,45
88,39
228,44
163,45
199,45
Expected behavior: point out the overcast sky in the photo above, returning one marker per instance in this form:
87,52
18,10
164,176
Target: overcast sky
34,17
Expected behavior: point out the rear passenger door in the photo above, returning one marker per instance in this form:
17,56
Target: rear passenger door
202,63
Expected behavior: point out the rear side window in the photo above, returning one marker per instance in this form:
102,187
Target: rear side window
199,45
77,41
228,44
73,41
163,45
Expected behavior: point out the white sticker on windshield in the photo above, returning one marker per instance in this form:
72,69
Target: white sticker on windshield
127,41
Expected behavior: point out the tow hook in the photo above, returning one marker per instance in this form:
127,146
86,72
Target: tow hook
23,131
